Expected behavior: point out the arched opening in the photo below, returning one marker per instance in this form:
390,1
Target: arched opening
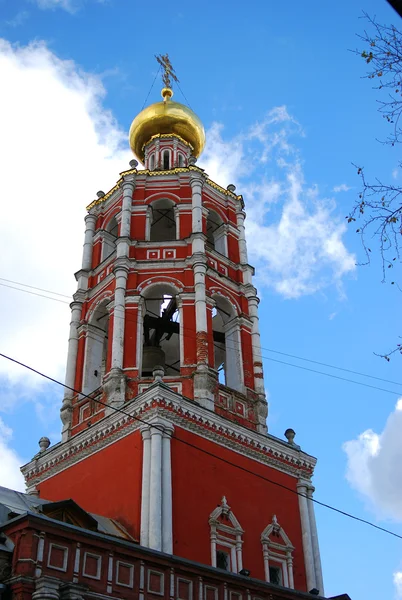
163,224
216,233
96,349
110,234
161,331
166,160
152,162
227,344
181,160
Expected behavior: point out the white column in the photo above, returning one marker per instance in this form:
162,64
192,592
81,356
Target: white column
146,466
242,237
121,274
234,360
256,345
76,308
289,562
155,491
196,182
200,269
306,536
239,556
265,553
314,541
90,223
125,223
285,574
213,548
167,525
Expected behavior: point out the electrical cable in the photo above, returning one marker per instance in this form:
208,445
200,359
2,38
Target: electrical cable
150,89
32,287
361,383
211,454
34,294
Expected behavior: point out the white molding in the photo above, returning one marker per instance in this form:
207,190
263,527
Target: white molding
65,557
159,400
162,579
131,568
234,543
98,565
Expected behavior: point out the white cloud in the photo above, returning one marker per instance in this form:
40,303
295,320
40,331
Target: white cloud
294,237
395,173
373,465
10,462
56,151
398,584
70,6
343,187
19,19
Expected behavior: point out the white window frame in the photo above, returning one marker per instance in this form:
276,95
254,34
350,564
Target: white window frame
279,553
228,536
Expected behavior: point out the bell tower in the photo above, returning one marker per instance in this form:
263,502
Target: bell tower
164,413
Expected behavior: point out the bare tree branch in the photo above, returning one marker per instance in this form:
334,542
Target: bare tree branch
378,209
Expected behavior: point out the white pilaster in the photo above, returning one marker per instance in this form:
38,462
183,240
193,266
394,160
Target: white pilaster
306,536
155,491
76,308
256,345
196,182
167,524
265,554
200,269
121,274
125,223
314,541
289,562
90,223
242,237
146,466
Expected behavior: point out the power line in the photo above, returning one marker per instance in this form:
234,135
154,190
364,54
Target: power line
361,383
34,294
150,89
374,387
316,362
32,287
216,456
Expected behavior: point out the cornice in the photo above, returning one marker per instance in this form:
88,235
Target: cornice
159,400
146,172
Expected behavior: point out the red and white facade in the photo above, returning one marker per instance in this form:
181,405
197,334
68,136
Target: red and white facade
164,329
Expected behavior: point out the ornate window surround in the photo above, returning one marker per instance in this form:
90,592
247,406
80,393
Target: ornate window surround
280,553
227,536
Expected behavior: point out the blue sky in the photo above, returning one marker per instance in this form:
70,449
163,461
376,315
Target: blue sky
286,113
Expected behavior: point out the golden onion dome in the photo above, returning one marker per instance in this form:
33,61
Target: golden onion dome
164,118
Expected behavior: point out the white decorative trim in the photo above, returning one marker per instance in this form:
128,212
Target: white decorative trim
226,536
158,400
190,588
211,588
153,254
65,557
161,579
98,565
281,553
131,568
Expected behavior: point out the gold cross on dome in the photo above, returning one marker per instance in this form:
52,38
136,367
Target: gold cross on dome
168,70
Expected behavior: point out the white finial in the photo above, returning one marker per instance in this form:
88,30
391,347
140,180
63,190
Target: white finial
158,373
44,443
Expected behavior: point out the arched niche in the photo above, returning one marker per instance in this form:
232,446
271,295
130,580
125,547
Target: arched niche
96,348
227,343
110,234
216,233
162,221
161,340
